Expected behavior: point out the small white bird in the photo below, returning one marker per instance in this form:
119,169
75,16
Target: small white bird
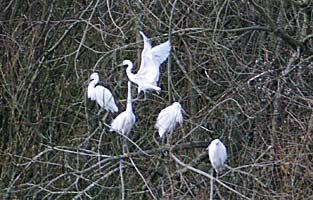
100,94
148,74
168,118
217,154
124,122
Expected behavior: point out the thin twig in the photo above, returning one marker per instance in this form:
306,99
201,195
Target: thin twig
208,176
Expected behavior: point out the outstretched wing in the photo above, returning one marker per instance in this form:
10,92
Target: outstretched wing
161,52
146,41
146,56
151,59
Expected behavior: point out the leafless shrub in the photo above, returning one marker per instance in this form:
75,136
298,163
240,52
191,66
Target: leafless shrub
241,69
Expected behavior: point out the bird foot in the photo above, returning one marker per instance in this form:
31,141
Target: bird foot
139,99
99,112
167,149
158,91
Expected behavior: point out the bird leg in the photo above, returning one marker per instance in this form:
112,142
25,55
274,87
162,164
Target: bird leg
158,92
169,138
105,117
167,141
140,99
138,96
211,185
124,145
164,143
99,112
144,95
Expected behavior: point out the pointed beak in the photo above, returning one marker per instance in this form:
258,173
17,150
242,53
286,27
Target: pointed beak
119,65
86,82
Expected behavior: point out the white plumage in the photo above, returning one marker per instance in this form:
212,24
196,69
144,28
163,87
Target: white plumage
124,122
148,75
217,154
91,93
168,118
100,94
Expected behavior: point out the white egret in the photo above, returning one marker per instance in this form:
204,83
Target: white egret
124,122
100,94
168,118
148,74
217,154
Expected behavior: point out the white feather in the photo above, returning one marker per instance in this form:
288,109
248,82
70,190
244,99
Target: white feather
217,154
124,122
168,118
105,99
148,74
91,93
100,94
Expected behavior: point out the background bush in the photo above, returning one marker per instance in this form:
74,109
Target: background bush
242,71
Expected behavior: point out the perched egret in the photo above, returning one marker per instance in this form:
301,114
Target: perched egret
100,94
217,154
151,58
168,118
124,122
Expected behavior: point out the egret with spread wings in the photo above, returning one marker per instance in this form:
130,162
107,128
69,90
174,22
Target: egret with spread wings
149,72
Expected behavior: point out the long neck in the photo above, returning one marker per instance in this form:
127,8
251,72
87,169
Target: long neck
129,97
97,79
93,83
129,73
